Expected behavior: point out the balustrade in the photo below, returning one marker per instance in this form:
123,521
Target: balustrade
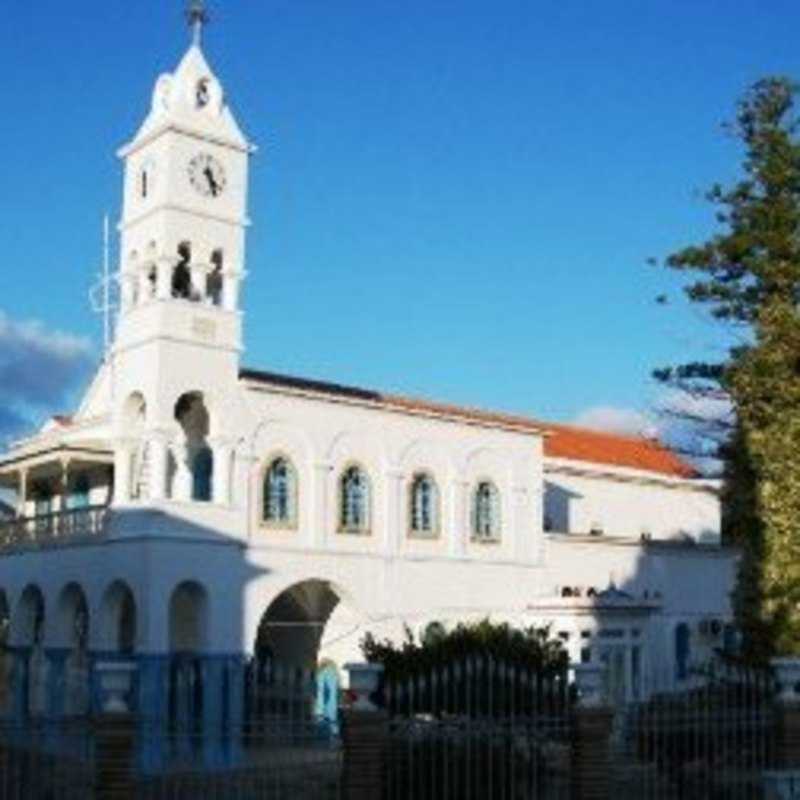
50,529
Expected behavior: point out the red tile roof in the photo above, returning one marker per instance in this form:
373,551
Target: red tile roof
634,452
561,441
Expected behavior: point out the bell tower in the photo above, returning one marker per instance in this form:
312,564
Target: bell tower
182,249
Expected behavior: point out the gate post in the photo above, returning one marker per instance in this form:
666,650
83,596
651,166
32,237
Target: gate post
364,736
115,735
591,733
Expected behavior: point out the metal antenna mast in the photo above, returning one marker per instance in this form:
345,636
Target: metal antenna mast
197,17
100,294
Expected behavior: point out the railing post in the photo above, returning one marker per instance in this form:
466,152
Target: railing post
115,734
591,733
365,729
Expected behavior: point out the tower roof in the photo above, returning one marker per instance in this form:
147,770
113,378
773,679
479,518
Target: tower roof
190,99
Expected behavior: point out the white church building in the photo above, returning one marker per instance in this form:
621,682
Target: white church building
192,504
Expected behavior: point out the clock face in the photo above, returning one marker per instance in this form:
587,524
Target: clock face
207,175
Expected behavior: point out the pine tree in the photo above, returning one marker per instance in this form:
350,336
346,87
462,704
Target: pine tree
748,274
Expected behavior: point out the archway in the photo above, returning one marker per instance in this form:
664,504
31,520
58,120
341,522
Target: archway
195,467
118,624
27,628
188,634
73,634
291,628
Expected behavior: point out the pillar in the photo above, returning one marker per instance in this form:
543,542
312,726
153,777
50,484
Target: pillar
396,523
459,523
198,272
365,737
787,712
164,269
22,499
157,455
230,290
319,523
123,453
221,476
591,734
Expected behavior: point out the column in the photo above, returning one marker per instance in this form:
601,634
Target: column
459,519
164,268
157,454
320,515
123,453
199,273
22,499
234,707
230,289
591,733
214,673
221,476
56,680
394,524
182,487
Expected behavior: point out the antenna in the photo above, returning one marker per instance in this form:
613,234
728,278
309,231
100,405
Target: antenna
100,297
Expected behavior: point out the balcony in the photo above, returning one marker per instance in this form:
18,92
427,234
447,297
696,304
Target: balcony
54,529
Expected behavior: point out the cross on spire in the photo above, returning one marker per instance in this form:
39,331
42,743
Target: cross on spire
197,17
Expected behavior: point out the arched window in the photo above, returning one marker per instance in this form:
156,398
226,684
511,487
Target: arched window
486,512
181,275
214,279
280,493
424,506
354,509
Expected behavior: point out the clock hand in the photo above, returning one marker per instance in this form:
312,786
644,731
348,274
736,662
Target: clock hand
212,181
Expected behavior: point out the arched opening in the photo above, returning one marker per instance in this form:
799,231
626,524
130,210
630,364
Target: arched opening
28,632
192,416
188,618
182,275
118,618
28,620
291,628
73,630
215,279
188,624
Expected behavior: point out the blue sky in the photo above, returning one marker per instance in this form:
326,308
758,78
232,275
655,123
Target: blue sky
452,198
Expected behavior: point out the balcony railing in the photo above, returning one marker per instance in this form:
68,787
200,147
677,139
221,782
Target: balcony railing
47,530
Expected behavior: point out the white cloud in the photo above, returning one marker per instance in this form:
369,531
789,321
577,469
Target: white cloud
614,419
39,368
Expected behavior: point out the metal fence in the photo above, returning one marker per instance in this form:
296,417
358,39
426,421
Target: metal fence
712,738
481,729
51,759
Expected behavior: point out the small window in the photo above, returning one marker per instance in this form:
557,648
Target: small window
424,507
181,275
144,183
214,279
280,494
354,501
203,93
486,513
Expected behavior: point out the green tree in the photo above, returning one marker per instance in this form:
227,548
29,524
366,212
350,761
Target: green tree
748,274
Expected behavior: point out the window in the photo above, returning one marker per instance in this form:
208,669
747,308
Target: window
280,493
424,510
181,275
486,513
354,501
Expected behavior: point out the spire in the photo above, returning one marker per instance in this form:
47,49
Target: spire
197,17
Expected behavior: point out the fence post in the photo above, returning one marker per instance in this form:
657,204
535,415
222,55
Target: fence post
364,736
591,733
115,734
